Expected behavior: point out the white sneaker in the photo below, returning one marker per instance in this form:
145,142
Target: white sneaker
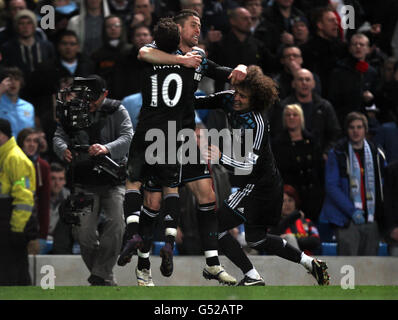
218,273
144,277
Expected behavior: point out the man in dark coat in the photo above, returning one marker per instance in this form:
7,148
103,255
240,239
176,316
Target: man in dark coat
322,52
353,82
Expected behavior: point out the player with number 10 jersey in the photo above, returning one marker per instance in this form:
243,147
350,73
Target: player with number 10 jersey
166,91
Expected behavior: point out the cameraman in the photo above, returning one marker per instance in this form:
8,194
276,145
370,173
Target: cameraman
109,134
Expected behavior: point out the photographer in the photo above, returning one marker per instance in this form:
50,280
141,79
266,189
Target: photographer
104,127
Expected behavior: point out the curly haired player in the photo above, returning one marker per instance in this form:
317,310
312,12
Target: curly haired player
258,201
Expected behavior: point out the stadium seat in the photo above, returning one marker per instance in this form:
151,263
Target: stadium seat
76,248
326,233
157,245
329,248
383,250
45,246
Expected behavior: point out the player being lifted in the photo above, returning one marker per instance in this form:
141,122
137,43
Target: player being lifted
258,201
195,176
166,89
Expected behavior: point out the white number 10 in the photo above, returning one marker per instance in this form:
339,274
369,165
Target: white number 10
165,90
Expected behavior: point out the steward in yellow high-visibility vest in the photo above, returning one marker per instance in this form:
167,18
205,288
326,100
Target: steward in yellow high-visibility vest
17,187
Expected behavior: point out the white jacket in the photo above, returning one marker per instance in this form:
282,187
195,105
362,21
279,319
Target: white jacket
76,23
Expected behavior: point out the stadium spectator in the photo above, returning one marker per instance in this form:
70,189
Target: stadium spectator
88,24
281,16
121,8
46,80
299,231
196,5
388,69
256,11
299,160
18,183
28,141
354,196
353,82
386,136
131,67
324,49
300,30
111,135
143,13
238,46
19,112
216,15
391,207
8,31
24,50
291,60
108,58
376,57
60,232
319,116
387,95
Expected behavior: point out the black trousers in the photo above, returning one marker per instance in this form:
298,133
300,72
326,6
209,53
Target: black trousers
14,264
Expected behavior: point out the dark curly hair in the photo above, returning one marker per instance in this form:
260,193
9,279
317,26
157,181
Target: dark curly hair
263,90
167,35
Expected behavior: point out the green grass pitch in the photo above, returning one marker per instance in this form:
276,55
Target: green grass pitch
201,293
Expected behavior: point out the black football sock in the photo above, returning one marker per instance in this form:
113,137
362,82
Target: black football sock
132,208
171,207
234,252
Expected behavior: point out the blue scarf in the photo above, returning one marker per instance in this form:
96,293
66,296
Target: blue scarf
355,180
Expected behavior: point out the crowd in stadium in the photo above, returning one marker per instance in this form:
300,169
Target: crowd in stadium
333,130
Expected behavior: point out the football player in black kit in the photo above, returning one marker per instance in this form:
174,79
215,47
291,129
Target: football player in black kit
258,201
196,176
166,89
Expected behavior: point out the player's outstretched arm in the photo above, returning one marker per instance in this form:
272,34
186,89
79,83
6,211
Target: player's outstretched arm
214,100
238,74
156,56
